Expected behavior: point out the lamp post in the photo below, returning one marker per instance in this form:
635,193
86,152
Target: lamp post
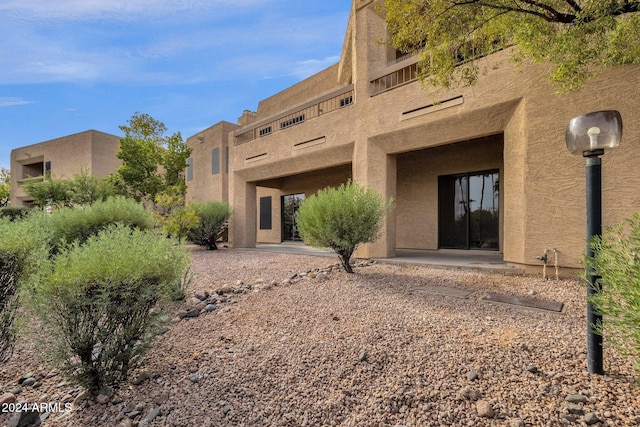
589,135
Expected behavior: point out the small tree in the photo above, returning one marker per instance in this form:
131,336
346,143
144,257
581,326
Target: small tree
151,161
617,262
213,217
342,218
50,192
96,299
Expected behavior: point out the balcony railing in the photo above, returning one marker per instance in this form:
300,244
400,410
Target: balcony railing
405,70
341,98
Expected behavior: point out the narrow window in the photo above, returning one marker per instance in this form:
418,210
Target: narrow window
190,169
265,213
215,161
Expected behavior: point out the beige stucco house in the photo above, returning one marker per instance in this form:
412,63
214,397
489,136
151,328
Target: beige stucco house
475,168
91,151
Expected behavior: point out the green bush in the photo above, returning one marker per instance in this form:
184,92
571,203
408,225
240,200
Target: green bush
22,247
213,217
342,218
69,225
617,262
96,300
13,212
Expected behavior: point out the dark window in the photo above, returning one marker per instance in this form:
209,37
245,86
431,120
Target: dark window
47,168
190,169
265,213
215,161
346,101
293,121
265,131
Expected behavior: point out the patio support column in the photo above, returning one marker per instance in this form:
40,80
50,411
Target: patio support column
375,169
244,213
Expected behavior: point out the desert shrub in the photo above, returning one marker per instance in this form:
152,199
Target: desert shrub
13,212
342,218
22,246
617,262
213,216
70,225
96,300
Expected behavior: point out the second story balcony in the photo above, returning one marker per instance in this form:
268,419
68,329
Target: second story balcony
339,99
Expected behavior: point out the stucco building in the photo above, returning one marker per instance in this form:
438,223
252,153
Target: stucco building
91,151
475,168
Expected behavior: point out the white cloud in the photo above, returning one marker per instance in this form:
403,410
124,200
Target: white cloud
13,102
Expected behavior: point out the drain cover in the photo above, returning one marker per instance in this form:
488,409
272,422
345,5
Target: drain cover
524,301
441,290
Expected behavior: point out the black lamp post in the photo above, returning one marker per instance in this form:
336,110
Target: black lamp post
589,135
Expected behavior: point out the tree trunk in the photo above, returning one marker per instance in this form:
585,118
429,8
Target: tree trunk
345,257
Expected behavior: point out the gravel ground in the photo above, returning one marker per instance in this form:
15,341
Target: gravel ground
375,348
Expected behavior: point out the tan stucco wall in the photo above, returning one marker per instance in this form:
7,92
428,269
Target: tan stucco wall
205,186
307,89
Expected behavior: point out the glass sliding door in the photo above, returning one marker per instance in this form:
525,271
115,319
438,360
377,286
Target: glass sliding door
289,207
468,209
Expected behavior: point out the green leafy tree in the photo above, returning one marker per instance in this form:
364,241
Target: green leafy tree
151,161
575,36
213,217
5,186
55,193
617,261
342,219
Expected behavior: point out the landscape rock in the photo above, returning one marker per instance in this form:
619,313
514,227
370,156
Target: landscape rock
7,398
590,419
24,419
472,375
576,398
484,409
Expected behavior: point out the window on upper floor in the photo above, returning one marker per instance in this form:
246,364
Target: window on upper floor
189,173
215,161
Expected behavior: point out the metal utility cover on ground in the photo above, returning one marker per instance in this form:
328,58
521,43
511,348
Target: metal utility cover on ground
524,301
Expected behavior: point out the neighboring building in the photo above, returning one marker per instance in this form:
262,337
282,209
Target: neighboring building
482,167
207,173
91,151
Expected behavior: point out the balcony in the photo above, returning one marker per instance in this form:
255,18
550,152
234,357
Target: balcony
333,101
399,72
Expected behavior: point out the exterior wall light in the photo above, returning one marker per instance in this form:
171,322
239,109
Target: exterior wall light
589,135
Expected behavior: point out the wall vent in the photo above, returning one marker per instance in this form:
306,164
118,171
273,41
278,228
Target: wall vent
432,108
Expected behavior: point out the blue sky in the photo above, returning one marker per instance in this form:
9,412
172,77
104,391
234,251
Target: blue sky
67,66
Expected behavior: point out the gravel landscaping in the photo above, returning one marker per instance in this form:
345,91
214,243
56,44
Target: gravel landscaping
274,339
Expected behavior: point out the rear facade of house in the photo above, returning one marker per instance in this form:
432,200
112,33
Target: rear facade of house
476,168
